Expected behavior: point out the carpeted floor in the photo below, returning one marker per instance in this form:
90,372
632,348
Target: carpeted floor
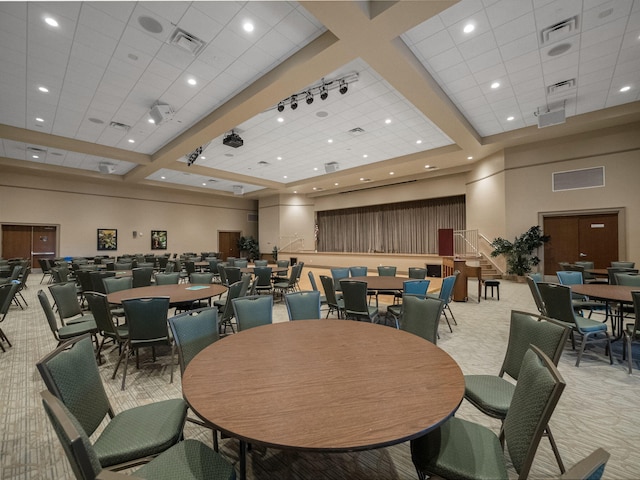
599,407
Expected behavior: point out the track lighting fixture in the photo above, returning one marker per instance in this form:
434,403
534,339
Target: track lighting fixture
321,89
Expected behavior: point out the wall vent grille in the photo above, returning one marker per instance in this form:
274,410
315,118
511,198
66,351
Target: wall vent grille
578,179
559,31
252,217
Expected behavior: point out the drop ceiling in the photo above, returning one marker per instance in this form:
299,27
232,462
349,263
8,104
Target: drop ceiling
434,86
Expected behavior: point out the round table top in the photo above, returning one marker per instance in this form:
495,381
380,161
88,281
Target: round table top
323,385
394,283
178,293
274,269
604,291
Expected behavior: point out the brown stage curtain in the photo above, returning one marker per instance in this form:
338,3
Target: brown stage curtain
407,227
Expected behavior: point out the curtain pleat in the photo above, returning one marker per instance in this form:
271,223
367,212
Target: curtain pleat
408,227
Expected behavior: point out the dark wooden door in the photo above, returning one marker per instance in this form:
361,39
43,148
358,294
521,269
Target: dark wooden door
575,238
29,241
44,244
228,244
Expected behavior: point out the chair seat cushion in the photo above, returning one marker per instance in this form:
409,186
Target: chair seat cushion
490,393
460,449
588,325
141,431
70,331
87,317
189,459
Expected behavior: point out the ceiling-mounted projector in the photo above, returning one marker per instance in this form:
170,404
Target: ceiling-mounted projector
106,167
161,113
233,140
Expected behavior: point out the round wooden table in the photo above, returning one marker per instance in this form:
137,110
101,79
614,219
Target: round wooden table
274,270
323,385
178,293
620,294
395,283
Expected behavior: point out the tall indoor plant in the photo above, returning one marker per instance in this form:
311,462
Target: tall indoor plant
520,253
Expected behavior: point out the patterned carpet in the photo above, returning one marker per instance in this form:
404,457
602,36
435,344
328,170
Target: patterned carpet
599,407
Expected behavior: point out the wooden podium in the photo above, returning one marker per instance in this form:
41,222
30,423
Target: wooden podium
460,290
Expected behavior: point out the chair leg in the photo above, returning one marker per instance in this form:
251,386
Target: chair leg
554,447
4,337
447,319
446,307
582,345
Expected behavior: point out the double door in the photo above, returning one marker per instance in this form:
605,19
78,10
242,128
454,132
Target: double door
592,238
29,241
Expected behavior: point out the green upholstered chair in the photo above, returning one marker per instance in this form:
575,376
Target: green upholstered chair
421,316
358,271
253,311
147,321
409,287
130,437
632,330
282,263
186,460
123,265
590,467
492,394
623,264
69,309
338,274
7,293
141,276
192,332
314,286
260,263
354,294
103,316
303,305
97,283
113,284
334,303
558,304
628,279
241,263
233,274
446,290
284,287
167,278
465,450
417,273
203,278
226,309
581,302
533,287
613,272
263,280
67,331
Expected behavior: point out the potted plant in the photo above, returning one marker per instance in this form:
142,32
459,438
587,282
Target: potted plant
519,253
250,247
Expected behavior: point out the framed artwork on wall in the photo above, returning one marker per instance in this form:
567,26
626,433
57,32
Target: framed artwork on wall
158,239
107,239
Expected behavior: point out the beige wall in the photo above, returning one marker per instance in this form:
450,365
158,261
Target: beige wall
192,220
287,220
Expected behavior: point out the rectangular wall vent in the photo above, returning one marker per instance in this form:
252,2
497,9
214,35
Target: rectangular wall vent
577,179
560,30
356,131
252,217
186,41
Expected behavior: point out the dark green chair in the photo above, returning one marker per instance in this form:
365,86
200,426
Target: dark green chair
492,394
263,280
113,284
167,278
289,285
628,279
409,287
462,449
253,311
7,293
260,263
558,304
314,286
535,293
226,310
417,273
141,276
334,303
354,294
147,321
632,330
421,316
303,305
130,437
103,316
97,283
581,302
67,331
66,300
186,460
590,467
358,271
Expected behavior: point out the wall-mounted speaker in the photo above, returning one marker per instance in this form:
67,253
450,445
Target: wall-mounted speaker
135,234
238,190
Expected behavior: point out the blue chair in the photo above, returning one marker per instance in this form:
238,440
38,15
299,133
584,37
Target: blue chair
358,271
338,274
303,305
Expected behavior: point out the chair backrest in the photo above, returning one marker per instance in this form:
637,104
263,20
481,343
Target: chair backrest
536,395
537,277
75,442
162,262
417,272
253,311
570,277
113,284
354,294
421,316
415,287
329,290
23,278
232,292
71,373
533,287
386,271
263,276
84,277
7,292
447,288
358,271
48,312
142,276
233,274
590,467
623,264
282,263
628,279
147,320
193,331
101,311
613,271
66,299
338,274
97,284
190,267
60,274
167,278
245,281
260,263
312,280
197,277
557,301
527,329
123,265
241,263
303,305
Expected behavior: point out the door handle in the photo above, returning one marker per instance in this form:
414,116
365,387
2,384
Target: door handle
583,254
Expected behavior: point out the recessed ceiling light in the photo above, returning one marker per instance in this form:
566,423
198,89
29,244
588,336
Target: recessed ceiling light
427,166
315,169
278,158
418,142
469,158
284,176
626,88
468,28
38,119
330,140
151,120
365,156
495,85
163,178
510,118
203,157
336,184
392,173
43,89
192,81
35,156
387,121
280,119
131,140
248,27
51,21
314,188
204,184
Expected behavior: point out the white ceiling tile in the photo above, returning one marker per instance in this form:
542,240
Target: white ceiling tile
435,44
140,40
460,11
522,45
100,21
605,12
446,59
481,27
490,75
298,28
200,25
479,45
604,32
271,14
506,11
514,29
554,12
223,12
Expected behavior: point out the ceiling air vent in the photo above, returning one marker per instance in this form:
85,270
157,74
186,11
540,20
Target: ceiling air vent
355,131
559,31
36,150
119,126
186,41
578,179
561,87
